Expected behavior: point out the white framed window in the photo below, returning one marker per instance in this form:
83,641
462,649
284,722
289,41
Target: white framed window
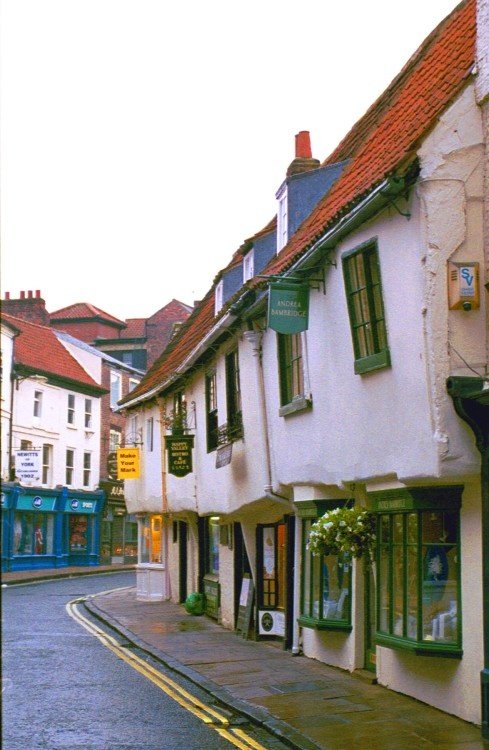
115,440
218,297
47,453
70,466
88,413
149,434
132,384
282,219
115,388
249,265
37,404
87,467
70,417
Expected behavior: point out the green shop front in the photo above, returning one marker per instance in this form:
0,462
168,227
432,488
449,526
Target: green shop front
49,528
119,529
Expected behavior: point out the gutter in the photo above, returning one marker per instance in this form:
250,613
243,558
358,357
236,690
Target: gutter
376,200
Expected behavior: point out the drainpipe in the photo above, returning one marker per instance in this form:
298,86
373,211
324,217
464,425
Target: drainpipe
161,403
297,587
254,338
471,401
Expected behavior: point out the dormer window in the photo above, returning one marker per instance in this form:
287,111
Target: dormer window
249,265
218,297
282,220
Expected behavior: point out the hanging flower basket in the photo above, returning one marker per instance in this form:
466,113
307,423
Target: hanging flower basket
343,530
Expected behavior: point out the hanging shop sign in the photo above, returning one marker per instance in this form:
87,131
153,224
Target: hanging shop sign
224,454
128,463
28,466
179,454
288,307
112,465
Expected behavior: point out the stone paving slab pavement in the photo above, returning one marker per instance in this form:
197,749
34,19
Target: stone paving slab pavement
307,704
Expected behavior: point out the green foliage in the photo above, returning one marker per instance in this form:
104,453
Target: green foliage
350,530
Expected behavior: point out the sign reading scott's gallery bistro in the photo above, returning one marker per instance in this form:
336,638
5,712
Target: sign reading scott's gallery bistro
179,454
288,307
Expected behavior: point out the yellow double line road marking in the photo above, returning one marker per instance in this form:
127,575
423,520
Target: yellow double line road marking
214,719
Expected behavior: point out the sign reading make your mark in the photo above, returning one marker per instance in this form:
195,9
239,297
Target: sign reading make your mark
288,307
128,465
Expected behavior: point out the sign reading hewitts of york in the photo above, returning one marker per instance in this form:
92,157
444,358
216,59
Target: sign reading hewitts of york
179,454
128,463
288,307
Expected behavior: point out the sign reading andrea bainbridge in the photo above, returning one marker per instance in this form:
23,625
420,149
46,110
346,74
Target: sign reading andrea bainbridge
179,454
288,307
128,465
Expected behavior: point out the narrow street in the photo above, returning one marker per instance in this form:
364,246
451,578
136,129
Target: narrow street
63,689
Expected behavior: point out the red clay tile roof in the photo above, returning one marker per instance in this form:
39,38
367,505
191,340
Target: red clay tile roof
382,141
83,310
387,138
37,350
190,334
135,329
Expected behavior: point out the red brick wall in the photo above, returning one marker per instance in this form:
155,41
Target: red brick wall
110,420
160,327
31,308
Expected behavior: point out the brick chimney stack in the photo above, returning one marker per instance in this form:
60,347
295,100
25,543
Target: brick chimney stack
31,307
303,161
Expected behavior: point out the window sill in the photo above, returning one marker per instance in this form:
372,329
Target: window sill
298,404
309,622
373,362
71,427
420,648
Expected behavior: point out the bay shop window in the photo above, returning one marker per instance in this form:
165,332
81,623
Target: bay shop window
326,581
151,539
418,571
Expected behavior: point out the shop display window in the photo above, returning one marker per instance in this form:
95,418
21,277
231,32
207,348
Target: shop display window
418,564
326,587
213,546
33,533
151,539
78,530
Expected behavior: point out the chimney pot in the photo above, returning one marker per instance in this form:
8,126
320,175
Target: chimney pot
7,295
29,294
22,295
303,145
38,294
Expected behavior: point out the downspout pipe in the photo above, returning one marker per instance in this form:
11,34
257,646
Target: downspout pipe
471,401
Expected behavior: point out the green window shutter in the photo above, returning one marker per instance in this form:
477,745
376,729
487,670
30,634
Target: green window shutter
363,287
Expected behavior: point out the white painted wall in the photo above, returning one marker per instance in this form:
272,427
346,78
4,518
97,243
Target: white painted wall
52,428
7,344
145,495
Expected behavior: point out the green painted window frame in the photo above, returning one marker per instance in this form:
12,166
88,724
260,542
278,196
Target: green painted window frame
291,373
363,287
414,591
313,570
212,431
233,396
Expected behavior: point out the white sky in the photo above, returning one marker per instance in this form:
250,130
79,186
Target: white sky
143,140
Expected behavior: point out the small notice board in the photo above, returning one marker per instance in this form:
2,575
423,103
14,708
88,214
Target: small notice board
245,606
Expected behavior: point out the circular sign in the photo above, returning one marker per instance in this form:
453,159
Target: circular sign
74,504
267,622
37,502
